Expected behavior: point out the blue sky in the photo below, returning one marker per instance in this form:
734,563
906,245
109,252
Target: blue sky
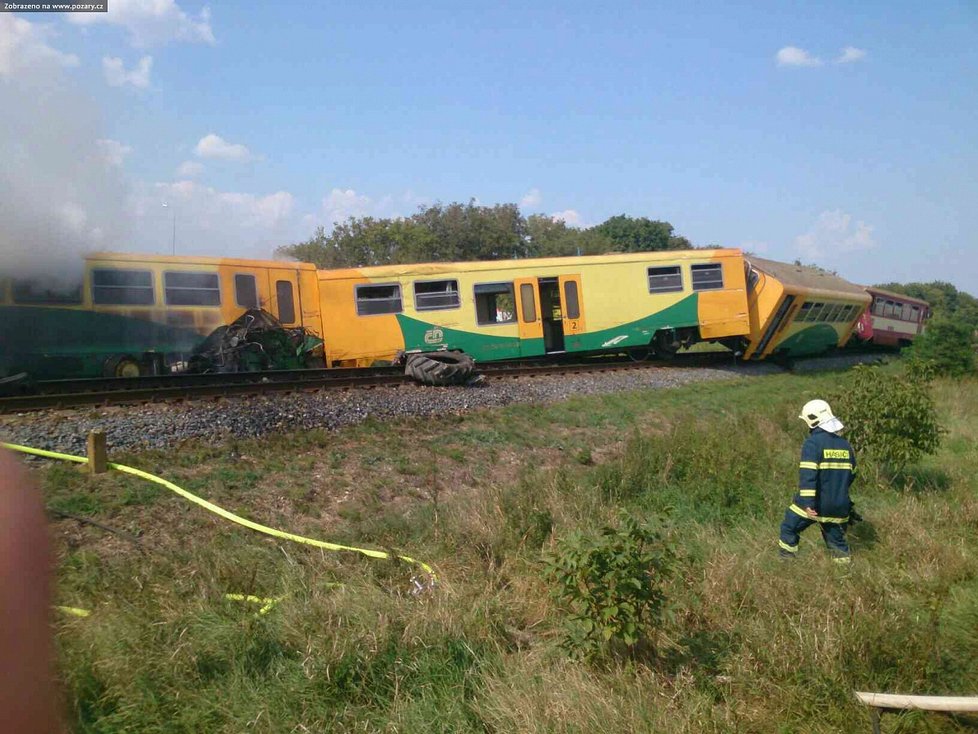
742,124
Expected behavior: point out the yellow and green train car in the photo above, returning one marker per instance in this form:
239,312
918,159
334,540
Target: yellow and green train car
134,314
527,308
799,311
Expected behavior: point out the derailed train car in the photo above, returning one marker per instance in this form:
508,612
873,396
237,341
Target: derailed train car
798,311
137,314
893,320
637,302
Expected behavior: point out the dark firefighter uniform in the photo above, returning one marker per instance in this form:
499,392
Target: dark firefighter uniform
828,465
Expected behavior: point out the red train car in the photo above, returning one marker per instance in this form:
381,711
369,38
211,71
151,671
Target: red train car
892,320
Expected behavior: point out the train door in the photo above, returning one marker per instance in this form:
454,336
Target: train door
572,303
551,315
285,296
528,316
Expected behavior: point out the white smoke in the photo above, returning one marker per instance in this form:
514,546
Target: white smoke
60,194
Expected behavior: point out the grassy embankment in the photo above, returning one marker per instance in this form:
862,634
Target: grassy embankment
753,645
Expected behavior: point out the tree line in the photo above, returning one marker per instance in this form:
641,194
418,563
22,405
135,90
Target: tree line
461,232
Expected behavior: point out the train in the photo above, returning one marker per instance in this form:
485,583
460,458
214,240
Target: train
146,314
893,320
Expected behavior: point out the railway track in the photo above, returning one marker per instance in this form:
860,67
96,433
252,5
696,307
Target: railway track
102,392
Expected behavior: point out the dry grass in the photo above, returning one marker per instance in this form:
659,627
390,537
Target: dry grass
752,645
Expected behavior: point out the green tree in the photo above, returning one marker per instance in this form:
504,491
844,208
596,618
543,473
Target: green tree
640,234
365,241
890,415
948,346
553,238
612,584
458,232
472,232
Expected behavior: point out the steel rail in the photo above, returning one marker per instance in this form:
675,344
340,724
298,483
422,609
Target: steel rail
64,394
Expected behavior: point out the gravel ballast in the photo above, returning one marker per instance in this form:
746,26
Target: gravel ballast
252,416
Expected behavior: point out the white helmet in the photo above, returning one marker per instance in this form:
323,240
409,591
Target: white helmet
818,414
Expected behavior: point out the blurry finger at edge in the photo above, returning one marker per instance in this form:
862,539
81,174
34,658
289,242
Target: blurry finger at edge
28,699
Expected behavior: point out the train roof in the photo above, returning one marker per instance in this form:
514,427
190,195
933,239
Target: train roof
804,276
893,294
128,257
530,262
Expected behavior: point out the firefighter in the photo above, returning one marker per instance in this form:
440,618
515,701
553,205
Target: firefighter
828,465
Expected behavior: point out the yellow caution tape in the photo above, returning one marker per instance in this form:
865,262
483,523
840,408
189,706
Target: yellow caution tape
211,507
74,611
267,603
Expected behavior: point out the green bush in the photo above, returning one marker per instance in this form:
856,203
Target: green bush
612,584
890,415
947,346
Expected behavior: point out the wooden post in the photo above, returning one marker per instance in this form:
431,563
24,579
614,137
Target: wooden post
97,459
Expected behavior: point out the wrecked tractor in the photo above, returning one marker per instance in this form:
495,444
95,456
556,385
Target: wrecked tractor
254,342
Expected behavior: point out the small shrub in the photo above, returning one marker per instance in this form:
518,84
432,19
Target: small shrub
612,584
948,347
890,415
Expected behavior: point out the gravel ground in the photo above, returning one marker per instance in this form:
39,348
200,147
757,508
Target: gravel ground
160,426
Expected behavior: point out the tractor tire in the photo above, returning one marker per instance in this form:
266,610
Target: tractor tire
440,368
122,365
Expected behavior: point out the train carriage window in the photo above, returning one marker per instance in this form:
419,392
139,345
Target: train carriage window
378,299
915,314
571,301
906,312
666,279
286,301
849,313
707,276
123,288
832,314
494,303
46,292
878,306
890,309
245,290
191,289
816,311
433,295
529,302
804,312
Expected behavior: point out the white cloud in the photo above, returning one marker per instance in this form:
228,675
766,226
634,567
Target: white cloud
152,22
113,151
24,47
214,146
835,232
794,56
117,76
212,222
850,54
341,204
190,169
531,199
570,217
